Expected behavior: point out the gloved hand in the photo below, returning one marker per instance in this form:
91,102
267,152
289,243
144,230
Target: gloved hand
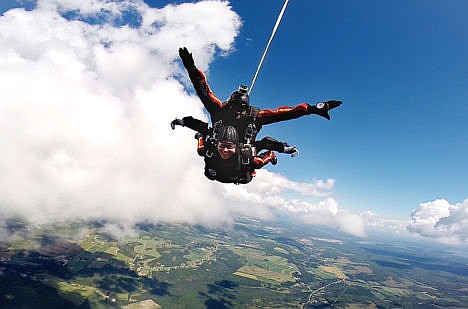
322,108
332,104
187,58
178,122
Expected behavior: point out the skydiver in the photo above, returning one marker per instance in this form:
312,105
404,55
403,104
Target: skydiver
266,143
237,110
224,160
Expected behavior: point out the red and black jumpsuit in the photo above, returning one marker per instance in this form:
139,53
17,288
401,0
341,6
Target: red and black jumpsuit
219,110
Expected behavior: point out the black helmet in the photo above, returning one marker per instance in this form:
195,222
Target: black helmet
239,99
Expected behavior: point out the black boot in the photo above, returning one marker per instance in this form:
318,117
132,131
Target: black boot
175,122
322,108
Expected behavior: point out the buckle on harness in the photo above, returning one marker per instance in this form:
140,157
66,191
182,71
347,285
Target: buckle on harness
216,128
250,131
246,154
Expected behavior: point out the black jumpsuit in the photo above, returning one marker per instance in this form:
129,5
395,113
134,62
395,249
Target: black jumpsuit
230,170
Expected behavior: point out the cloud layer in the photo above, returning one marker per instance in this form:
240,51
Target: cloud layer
85,112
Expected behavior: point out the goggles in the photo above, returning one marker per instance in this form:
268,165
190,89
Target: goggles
228,145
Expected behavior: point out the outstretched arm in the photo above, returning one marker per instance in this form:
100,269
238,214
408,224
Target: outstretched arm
283,113
197,125
191,123
209,100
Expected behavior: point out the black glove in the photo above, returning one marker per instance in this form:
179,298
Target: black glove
177,122
333,103
187,59
322,108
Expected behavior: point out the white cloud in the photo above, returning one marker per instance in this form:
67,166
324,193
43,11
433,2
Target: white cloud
266,191
85,8
85,112
376,222
440,220
327,213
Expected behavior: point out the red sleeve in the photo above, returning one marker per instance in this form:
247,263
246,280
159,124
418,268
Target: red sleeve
282,113
208,98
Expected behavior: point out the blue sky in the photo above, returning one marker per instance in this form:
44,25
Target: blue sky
398,143
400,67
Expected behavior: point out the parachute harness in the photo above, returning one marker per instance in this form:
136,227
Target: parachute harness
278,20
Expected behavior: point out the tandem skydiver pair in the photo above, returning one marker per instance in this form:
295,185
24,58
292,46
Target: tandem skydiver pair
230,147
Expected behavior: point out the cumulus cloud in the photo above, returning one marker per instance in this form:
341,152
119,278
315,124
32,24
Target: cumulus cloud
378,223
88,90
440,220
266,192
85,112
327,213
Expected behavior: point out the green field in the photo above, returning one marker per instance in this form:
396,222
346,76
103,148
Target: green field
74,292
267,268
255,265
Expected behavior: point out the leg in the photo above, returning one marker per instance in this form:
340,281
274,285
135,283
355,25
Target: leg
264,158
269,143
